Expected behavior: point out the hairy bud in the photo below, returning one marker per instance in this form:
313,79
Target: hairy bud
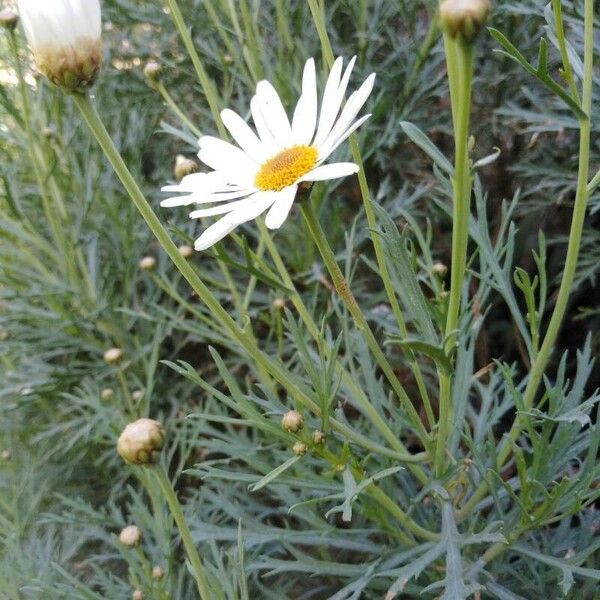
299,448
130,536
148,263
157,573
113,355
464,17
184,166
292,421
141,441
186,251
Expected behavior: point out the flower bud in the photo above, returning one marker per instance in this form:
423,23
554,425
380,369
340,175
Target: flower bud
148,263
9,18
186,251
106,394
64,36
318,437
113,355
137,395
439,268
137,595
299,448
279,303
152,71
464,17
3,335
141,441
292,421
5,455
130,536
157,573
184,166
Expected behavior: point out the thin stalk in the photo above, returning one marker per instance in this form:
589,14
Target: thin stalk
461,186
286,379
205,82
343,289
327,52
160,88
579,211
186,537
562,46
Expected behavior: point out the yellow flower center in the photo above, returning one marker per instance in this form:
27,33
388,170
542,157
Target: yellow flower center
286,168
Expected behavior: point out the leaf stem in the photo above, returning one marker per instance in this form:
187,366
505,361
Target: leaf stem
186,537
461,186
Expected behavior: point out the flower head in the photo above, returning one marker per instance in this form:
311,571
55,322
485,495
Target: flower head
292,421
263,172
140,442
64,36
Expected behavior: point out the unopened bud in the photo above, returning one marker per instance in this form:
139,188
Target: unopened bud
279,303
184,166
464,17
299,448
9,18
3,335
137,595
106,394
186,251
5,455
292,421
148,263
152,71
113,355
141,441
439,268
318,437
137,395
130,536
157,573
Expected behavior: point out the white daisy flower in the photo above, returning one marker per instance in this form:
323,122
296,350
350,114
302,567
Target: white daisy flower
264,172
64,36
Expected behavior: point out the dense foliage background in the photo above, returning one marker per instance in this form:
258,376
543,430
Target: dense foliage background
64,493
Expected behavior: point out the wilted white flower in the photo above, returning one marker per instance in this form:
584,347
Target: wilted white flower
264,172
64,36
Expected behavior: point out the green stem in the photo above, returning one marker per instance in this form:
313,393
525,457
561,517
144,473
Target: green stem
461,186
286,379
186,537
579,211
562,45
205,82
343,289
160,88
327,51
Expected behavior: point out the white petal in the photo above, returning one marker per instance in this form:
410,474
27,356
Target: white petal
221,155
281,208
204,198
220,209
305,115
243,135
332,171
274,113
216,232
331,101
333,145
352,108
266,137
254,207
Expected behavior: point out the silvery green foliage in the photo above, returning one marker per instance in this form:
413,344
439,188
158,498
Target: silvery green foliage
270,524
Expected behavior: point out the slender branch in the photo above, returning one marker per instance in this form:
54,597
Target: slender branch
579,211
